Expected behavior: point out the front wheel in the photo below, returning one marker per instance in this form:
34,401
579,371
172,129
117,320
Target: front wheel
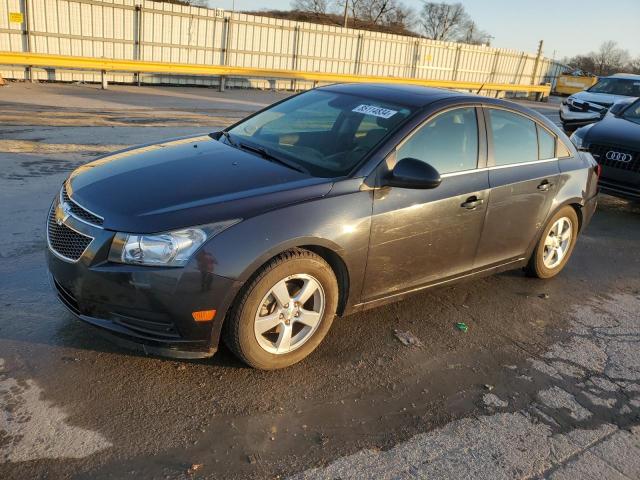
556,244
284,312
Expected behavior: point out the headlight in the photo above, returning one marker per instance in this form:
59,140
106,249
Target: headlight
169,249
576,140
578,137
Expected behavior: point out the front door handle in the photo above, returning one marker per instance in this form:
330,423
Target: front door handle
545,186
472,203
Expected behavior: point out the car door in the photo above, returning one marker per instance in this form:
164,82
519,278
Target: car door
420,236
523,176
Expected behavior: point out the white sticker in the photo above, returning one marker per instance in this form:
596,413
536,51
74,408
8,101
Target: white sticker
375,111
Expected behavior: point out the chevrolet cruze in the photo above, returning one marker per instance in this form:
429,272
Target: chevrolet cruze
327,203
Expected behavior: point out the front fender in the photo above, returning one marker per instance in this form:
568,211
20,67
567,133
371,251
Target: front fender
340,223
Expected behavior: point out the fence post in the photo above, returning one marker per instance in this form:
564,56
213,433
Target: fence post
359,46
517,79
294,55
416,58
494,67
137,38
103,78
27,38
226,39
456,62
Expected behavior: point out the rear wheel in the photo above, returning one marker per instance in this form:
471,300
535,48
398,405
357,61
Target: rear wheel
556,244
284,312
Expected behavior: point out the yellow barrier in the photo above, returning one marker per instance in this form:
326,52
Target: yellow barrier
569,84
135,66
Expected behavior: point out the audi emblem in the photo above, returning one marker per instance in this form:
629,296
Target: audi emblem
619,156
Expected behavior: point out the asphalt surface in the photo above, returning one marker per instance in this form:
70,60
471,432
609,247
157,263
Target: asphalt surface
545,382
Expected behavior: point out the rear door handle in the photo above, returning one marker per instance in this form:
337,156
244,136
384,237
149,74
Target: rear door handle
545,186
472,203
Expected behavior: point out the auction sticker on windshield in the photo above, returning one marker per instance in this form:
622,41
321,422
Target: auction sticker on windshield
375,111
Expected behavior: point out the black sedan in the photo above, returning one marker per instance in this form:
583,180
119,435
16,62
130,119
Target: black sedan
615,144
327,203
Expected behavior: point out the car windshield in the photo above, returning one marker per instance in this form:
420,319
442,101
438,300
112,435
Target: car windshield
632,113
617,86
323,132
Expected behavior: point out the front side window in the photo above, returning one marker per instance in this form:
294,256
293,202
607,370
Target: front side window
617,86
322,132
448,142
515,138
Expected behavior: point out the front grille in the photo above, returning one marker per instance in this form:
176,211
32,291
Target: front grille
599,152
78,211
160,329
64,241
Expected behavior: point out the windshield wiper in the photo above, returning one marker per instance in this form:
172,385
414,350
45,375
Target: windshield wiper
269,156
227,137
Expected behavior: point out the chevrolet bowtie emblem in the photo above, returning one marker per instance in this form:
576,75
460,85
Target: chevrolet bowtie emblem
62,213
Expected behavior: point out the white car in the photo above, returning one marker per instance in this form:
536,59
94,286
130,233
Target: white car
591,105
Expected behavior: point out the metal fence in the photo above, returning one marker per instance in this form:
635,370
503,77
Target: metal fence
162,32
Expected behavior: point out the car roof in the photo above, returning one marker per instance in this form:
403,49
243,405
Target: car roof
415,96
408,95
625,76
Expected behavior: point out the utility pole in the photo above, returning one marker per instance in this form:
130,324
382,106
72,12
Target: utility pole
346,6
535,66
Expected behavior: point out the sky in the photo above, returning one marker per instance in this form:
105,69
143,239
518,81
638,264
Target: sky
568,27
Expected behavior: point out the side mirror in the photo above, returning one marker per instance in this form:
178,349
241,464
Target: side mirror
413,173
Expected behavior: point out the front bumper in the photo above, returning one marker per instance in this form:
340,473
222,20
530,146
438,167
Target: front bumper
619,189
148,308
575,119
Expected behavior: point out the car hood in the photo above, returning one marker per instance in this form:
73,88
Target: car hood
186,182
602,99
615,131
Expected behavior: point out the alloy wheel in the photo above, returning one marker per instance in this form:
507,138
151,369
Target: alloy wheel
289,313
557,243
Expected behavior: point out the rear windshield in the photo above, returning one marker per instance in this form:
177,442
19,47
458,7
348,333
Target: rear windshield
323,132
617,86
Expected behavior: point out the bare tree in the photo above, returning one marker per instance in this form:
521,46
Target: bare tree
319,7
607,60
610,58
443,21
634,65
473,35
381,12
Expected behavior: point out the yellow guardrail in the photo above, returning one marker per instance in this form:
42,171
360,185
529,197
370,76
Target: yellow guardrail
138,66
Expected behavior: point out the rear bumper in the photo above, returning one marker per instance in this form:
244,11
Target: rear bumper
588,210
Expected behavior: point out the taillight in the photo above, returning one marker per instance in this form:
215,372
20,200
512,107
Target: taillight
598,170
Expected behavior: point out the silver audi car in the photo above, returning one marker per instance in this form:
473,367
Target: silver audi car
592,104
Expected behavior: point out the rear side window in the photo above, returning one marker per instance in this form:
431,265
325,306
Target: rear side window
515,139
563,151
546,144
448,142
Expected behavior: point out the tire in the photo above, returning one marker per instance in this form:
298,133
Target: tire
262,303
553,265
